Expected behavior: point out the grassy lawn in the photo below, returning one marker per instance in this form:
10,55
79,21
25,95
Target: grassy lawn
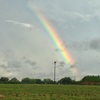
48,92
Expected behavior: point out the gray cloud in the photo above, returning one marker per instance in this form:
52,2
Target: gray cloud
57,50
77,23
83,45
4,66
11,65
32,63
95,44
72,66
61,64
14,64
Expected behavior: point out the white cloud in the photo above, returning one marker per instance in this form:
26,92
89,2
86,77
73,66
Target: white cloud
26,25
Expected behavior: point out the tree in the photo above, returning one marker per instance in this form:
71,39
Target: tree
4,80
38,81
48,81
32,81
66,80
90,80
26,80
14,80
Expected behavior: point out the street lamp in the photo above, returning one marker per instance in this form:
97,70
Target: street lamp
54,71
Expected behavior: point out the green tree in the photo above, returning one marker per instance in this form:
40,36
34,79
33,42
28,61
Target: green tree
91,79
38,81
14,80
32,81
4,80
66,80
25,80
48,81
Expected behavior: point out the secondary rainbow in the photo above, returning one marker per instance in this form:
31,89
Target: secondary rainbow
56,39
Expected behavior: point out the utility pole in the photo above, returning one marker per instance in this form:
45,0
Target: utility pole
54,71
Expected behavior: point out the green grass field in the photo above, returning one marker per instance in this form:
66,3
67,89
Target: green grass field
48,92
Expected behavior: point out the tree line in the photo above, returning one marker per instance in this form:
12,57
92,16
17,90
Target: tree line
90,80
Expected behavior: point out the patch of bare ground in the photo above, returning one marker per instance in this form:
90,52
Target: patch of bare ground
2,97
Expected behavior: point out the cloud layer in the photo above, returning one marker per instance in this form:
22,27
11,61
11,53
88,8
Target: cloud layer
26,49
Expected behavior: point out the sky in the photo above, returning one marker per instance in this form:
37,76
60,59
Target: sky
27,50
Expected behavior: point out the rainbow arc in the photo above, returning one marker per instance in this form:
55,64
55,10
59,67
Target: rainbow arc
56,39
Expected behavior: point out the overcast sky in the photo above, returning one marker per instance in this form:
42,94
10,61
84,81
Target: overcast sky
26,49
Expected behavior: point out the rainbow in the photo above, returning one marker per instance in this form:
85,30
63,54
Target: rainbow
56,39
